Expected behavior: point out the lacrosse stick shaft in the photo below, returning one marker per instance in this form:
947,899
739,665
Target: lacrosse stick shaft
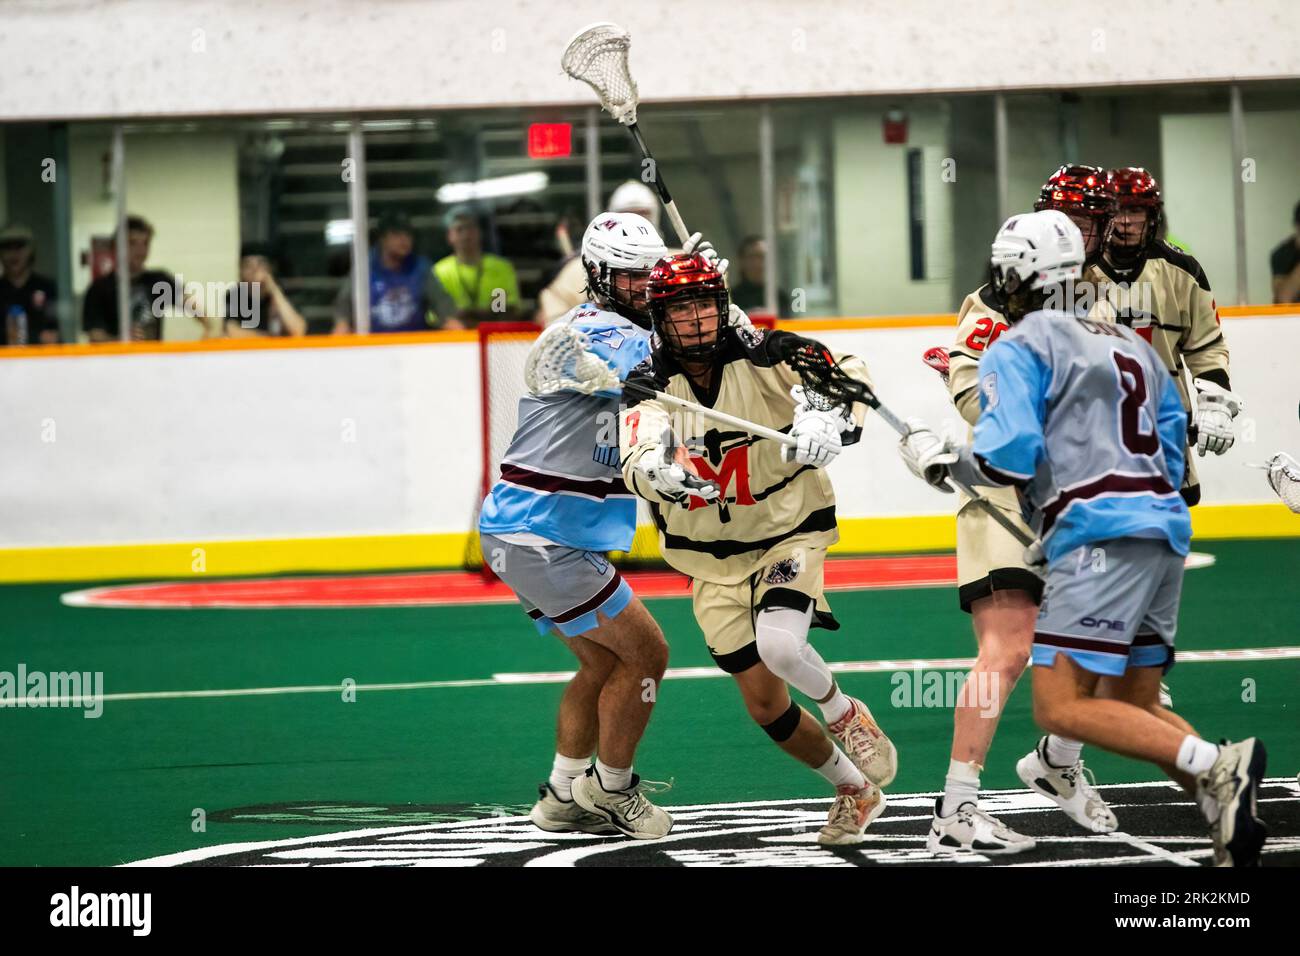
660,186
754,429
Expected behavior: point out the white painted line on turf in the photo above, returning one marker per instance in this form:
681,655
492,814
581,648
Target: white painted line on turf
562,677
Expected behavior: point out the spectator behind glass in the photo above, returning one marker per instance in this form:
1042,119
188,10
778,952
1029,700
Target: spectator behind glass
399,278
1285,262
26,297
749,293
471,286
151,294
257,305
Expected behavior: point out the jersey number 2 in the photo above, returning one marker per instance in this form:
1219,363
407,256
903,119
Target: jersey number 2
1134,385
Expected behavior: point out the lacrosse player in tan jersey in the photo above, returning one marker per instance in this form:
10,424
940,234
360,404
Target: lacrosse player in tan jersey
1162,294
1001,589
756,554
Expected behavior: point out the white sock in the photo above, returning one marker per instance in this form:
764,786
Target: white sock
1196,756
613,778
563,770
962,785
782,636
1062,752
841,772
837,708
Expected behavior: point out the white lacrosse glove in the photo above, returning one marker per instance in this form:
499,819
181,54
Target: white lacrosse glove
670,479
1035,558
737,319
817,431
698,245
926,455
1216,407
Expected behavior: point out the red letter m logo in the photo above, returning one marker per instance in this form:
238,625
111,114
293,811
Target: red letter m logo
735,464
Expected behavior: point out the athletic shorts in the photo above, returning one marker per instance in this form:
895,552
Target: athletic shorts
1111,605
989,558
560,588
791,575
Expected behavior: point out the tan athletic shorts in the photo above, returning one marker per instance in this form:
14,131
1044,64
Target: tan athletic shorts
791,575
988,558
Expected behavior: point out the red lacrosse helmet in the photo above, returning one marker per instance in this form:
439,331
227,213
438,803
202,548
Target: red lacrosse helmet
688,307
1135,226
1080,192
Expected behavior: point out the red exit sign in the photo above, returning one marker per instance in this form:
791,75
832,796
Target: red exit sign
550,140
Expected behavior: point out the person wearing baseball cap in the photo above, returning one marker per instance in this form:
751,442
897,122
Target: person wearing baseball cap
399,277
26,296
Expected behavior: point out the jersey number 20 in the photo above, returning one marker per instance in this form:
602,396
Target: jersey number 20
1134,385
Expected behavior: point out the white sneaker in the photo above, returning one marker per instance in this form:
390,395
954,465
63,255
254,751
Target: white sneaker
557,815
850,815
866,744
1069,788
1233,783
972,830
627,810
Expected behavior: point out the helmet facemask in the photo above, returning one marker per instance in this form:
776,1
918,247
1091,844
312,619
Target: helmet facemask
1130,234
1013,295
690,325
620,290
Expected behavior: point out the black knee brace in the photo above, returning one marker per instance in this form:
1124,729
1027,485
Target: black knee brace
782,729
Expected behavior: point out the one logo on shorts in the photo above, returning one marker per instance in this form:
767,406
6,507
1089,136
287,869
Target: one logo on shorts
1101,622
783,571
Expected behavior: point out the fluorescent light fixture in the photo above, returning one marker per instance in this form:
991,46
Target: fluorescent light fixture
515,185
338,232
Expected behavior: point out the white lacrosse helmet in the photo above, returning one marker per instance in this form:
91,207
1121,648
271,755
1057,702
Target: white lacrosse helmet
1033,251
615,246
636,197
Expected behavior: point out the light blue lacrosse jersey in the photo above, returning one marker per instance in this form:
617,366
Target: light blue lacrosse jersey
1087,415
560,477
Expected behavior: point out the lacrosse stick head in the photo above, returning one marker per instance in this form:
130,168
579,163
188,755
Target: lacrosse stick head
561,360
597,55
821,375
937,359
1284,478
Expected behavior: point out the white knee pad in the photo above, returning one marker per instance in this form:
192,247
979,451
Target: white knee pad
782,635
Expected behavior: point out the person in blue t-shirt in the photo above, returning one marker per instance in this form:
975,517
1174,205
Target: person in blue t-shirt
399,283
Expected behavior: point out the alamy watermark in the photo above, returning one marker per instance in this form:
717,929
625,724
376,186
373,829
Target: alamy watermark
24,688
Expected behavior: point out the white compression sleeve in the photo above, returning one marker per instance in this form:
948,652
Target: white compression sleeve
782,634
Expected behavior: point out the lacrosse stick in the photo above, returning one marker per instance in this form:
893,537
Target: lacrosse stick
561,360
1284,478
937,359
597,55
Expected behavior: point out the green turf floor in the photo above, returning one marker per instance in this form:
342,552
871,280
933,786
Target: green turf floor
124,786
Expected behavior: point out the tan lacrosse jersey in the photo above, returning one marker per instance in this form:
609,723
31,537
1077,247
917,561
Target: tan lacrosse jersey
1171,306
765,500
988,557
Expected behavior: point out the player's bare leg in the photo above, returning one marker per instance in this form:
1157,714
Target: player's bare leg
578,723
627,697
1226,778
1004,631
798,733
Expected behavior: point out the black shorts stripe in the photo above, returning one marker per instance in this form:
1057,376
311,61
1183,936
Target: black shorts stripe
820,520
737,661
1000,579
589,605
1081,644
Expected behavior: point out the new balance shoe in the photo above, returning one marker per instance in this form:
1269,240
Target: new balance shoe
1233,784
972,830
555,815
627,810
850,814
1069,788
866,744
